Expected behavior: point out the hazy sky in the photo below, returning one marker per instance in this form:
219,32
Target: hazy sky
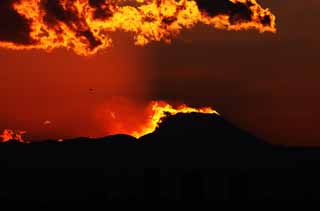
265,83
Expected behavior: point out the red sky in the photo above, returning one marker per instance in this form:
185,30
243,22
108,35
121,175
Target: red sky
264,83
66,89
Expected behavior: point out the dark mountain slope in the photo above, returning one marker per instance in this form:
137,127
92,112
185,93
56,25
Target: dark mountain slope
208,140
188,156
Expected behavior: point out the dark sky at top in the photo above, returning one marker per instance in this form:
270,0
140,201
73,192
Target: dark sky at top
265,83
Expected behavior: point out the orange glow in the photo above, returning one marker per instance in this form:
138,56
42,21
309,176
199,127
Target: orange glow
86,29
122,116
160,110
8,135
127,118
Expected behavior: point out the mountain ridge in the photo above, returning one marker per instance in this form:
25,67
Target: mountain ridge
180,140
189,156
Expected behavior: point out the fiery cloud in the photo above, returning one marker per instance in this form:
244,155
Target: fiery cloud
123,116
85,26
161,109
145,122
8,135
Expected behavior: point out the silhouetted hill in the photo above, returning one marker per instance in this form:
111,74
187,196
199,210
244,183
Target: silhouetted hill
208,129
208,140
182,140
188,156
120,139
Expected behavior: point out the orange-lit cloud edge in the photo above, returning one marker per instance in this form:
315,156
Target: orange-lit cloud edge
157,110
86,29
147,20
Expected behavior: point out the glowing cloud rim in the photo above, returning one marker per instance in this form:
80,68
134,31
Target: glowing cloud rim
85,26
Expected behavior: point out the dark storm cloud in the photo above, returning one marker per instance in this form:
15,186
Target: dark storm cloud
56,13
13,27
238,12
102,9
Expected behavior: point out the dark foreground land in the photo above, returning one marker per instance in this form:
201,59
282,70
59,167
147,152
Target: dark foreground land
193,156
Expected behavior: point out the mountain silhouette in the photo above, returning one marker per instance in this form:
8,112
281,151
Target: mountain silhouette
192,156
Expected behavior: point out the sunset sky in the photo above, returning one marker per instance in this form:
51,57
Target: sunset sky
264,83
